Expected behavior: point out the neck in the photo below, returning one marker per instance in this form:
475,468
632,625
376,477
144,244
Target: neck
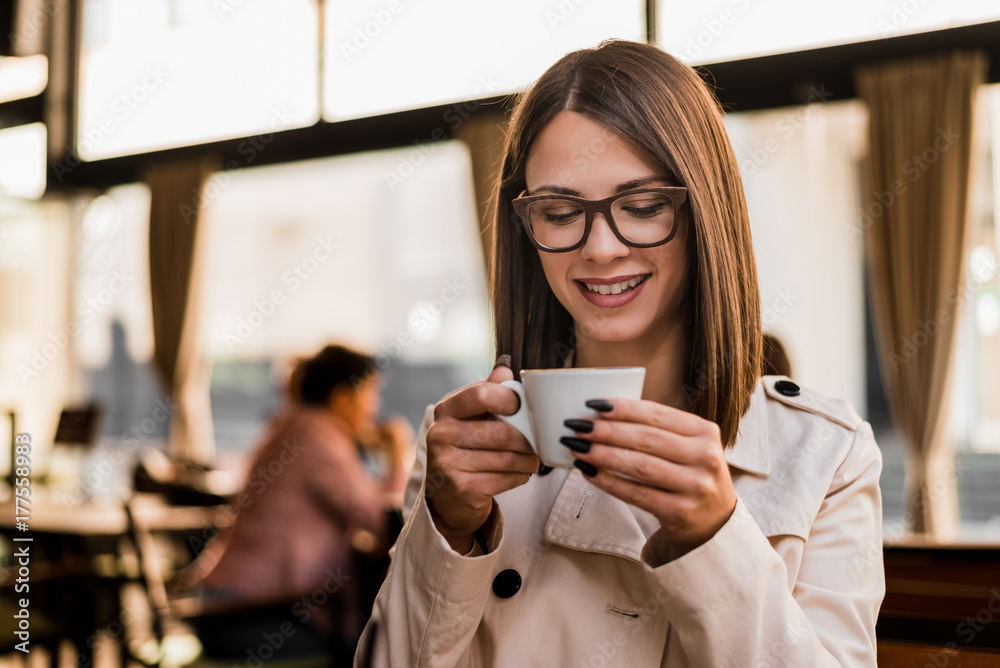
663,353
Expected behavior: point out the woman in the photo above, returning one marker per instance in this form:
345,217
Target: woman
725,519
307,494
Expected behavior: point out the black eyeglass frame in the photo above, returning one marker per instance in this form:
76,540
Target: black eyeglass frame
676,194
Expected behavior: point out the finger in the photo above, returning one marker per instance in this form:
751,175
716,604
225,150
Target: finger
501,370
639,466
478,399
477,435
487,484
644,438
657,502
649,412
487,461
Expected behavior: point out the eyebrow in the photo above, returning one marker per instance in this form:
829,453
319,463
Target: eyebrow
621,187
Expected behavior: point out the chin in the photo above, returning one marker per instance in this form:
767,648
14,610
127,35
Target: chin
612,332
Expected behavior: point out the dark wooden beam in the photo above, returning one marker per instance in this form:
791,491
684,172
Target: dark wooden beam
23,111
397,130
797,78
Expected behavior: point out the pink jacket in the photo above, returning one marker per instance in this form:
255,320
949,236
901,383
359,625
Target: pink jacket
307,487
794,578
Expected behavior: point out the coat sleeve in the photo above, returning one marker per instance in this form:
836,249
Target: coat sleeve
433,598
729,600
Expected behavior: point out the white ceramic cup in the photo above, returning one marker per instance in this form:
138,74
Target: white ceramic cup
550,396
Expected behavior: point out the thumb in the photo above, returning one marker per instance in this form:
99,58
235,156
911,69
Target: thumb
501,370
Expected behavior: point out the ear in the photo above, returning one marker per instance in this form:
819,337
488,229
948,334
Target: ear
338,396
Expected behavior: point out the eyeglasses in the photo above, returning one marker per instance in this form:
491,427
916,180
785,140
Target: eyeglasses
640,218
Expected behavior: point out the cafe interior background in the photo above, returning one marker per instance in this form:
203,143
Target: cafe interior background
202,191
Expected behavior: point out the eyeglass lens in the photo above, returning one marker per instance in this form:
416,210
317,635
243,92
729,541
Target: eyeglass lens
642,218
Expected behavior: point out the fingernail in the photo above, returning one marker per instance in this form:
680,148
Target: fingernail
544,470
602,405
588,469
584,426
503,360
577,444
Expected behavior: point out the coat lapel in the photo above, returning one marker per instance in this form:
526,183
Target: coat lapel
588,519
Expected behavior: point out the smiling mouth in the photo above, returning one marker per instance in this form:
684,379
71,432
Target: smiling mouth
616,288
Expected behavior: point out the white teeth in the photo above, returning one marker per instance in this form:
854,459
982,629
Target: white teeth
615,288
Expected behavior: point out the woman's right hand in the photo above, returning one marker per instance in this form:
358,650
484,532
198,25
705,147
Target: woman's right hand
472,457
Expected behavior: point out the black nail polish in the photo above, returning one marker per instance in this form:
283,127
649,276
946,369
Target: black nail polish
577,444
502,360
588,469
602,405
544,470
584,426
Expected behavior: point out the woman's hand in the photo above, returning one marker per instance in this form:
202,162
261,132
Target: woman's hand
396,436
472,457
664,460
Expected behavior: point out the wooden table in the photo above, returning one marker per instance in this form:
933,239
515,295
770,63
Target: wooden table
75,574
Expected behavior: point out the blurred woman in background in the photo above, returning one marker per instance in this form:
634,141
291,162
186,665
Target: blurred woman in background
308,495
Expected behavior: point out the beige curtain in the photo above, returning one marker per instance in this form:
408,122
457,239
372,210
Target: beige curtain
914,220
175,270
484,134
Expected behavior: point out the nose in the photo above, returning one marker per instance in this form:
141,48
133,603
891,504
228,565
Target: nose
602,245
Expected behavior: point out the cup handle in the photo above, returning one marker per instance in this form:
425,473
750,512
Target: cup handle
519,420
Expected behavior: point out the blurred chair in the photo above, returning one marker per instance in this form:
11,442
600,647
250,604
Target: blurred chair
76,435
173,642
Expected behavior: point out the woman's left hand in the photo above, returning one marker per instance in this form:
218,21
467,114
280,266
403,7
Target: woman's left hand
666,461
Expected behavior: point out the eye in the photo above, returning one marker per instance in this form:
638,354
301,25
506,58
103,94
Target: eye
645,206
555,212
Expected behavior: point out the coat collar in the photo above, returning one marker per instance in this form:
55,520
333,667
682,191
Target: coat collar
588,519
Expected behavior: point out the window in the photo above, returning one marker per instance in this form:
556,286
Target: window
337,250
974,415
22,170
23,77
722,30
157,74
389,55
809,263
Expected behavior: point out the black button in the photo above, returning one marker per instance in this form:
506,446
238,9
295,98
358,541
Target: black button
787,388
506,583
544,470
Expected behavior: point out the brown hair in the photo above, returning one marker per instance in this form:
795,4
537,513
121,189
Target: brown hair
314,378
661,106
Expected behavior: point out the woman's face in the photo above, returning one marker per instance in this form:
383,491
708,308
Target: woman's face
574,155
358,405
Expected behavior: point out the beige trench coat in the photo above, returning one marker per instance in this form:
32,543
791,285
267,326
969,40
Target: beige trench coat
794,578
